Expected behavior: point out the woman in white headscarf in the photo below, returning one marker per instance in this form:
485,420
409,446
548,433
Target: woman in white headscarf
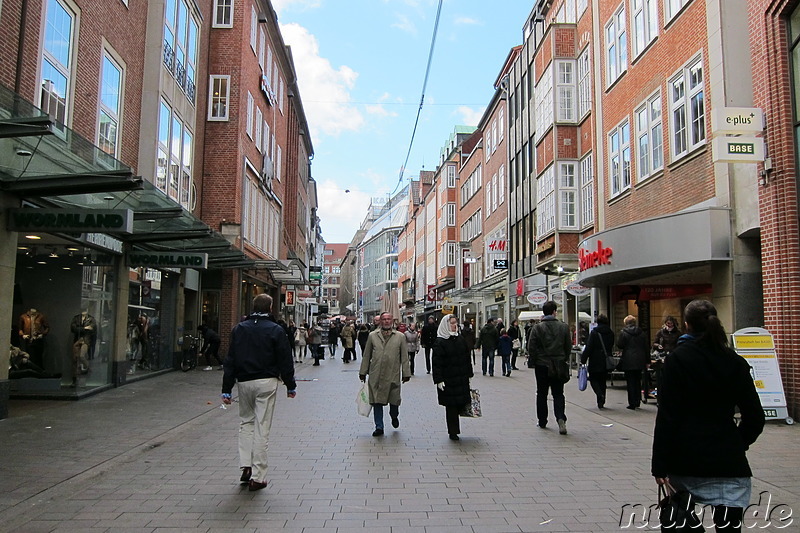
452,370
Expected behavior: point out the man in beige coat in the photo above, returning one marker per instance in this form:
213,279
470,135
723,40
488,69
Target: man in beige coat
385,359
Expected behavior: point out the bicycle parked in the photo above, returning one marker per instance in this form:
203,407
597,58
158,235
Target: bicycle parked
191,353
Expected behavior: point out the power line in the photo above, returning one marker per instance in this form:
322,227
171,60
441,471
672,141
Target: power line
422,97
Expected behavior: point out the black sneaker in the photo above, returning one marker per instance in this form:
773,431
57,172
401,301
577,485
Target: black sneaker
377,433
395,422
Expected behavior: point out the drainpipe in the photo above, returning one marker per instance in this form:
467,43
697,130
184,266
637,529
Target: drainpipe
23,22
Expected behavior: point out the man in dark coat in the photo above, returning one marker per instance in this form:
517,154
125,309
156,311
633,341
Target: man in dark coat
451,372
549,345
427,339
487,342
259,358
635,357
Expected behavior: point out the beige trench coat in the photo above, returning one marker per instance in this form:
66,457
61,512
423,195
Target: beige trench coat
385,361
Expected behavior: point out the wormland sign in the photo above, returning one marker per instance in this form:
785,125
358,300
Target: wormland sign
71,220
168,259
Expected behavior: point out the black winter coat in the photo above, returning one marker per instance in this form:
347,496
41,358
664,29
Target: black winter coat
427,337
695,433
594,353
635,349
452,365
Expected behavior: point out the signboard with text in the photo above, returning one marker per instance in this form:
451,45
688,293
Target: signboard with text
758,347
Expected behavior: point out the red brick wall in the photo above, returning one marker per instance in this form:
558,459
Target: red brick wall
780,235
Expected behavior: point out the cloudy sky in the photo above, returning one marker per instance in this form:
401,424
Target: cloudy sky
361,66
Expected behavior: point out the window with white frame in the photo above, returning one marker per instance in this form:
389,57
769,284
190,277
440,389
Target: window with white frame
451,214
175,157
451,254
501,123
488,202
249,118
57,61
616,46
687,109
587,191
220,91
494,135
471,186
568,196
584,83
280,93
501,184
265,139
223,14
487,145
257,127
261,219
262,44
253,28
543,102
451,176
110,105
546,204
619,158
582,7
472,227
673,7
649,138
279,163
494,192
565,89
644,23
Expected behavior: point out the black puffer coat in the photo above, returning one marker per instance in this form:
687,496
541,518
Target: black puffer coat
452,365
635,349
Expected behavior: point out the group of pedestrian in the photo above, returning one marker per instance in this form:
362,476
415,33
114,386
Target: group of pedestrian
699,450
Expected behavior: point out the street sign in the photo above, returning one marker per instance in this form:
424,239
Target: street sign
536,297
738,149
737,120
314,276
501,264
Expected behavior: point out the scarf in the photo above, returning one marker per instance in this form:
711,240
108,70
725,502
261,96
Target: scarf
444,328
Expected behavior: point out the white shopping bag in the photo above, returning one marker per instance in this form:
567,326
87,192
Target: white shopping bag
362,400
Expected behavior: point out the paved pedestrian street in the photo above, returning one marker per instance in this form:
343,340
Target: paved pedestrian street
160,455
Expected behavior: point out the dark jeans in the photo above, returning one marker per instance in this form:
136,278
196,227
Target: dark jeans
428,358
634,381
213,351
514,354
598,382
377,413
487,356
543,384
506,364
411,361
451,414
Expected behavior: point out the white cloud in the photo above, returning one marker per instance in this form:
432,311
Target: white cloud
469,116
325,90
281,5
379,111
466,21
340,212
403,23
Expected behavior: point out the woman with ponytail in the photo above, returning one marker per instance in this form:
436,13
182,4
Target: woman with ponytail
697,446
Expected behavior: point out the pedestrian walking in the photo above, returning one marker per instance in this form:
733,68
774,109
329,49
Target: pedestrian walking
452,371
210,348
697,444
315,343
468,332
487,342
549,346
348,335
259,357
635,357
412,344
516,342
504,349
300,341
385,361
428,338
363,333
598,348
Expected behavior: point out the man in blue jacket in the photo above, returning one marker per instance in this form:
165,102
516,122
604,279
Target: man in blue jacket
259,357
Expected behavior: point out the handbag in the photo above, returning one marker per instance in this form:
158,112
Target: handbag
612,362
583,378
472,409
676,510
515,344
557,369
362,400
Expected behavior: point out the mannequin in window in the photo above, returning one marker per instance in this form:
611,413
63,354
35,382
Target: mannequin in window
84,335
33,328
20,366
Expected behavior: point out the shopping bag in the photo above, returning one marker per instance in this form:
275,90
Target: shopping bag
676,510
362,400
583,378
472,409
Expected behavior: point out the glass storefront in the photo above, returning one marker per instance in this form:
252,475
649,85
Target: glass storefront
652,304
64,312
151,311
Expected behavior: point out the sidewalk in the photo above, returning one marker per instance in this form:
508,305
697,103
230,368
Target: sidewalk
160,455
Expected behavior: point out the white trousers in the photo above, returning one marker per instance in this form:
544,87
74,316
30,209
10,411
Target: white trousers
256,405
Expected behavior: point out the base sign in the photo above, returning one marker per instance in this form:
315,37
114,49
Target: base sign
758,347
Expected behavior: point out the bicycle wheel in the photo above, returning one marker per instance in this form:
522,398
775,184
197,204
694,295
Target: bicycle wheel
186,362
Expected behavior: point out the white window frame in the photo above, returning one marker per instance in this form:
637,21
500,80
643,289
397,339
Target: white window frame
501,123
501,184
546,202
587,190
619,158
673,7
451,176
567,195
253,29
487,145
215,100
648,118
543,102
451,254
616,46
488,202
223,14
582,4
566,90
451,214
279,163
164,139
687,122
258,130
249,117
265,139
584,68
644,24
262,44
48,97
104,108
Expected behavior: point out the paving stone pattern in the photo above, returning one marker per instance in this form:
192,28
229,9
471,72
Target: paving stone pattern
160,455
